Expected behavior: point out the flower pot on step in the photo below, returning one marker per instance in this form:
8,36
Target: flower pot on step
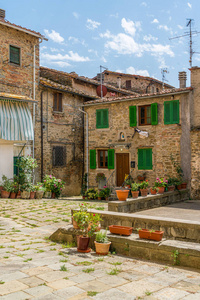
122,230
18,195
102,248
39,194
171,188
12,195
32,195
144,192
151,235
161,189
179,187
153,192
47,195
135,194
25,195
122,195
53,195
5,194
184,185
99,198
83,243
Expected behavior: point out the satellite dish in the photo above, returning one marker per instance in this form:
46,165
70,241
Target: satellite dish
104,90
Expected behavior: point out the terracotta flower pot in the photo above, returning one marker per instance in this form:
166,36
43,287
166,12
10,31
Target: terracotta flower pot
53,195
144,192
179,187
141,178
161,189
135,194
12,195
5,194
82,243
151,235
171,188
75,224
102,248
122,230
184,185
99,198
122,195
153,192
32,195
128,186
83,197
18,195
1,187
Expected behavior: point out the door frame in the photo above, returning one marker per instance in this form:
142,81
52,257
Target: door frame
121,153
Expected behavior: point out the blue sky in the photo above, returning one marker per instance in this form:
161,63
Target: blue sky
129,36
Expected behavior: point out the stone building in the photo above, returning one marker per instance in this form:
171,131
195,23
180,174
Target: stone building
138,134
135,83
19,79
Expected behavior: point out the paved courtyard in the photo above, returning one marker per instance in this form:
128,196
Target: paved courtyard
33,267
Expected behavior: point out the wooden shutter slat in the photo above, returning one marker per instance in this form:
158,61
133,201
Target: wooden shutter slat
175,111
133,116
154,113
148,159
141,162
105,118
167,112
111,158
93,159
98,118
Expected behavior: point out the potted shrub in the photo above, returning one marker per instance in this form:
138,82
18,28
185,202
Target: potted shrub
161,184
40,189
154,190
141,177
135,190
76,218
107,192
32,191
101,195
92,194
155,235
25,190
144,188
128,181
14,189
122,195
179,184
172,181
7,187
102,244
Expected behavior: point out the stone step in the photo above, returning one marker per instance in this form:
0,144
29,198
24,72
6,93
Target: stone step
167,251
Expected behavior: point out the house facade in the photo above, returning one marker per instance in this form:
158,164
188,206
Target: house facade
19,79
137,135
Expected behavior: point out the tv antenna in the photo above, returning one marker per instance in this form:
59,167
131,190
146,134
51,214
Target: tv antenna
164,72
190,34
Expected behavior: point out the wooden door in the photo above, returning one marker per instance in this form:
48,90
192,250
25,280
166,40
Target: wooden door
122,167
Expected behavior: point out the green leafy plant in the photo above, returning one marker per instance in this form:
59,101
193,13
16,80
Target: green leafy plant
102,194
100,176
107,191
14,187
84,184
53,184
114,271
40,187
178,168
63,268
25,165
175,255
173,181
144,185
91,193
6,183
134,187
128,180
88,270
101,237
161,182
91,293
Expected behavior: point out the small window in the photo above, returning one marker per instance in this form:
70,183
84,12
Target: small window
128,84
15,55
145,159
145,115
102,118
102,158
59,156
157,90
57,102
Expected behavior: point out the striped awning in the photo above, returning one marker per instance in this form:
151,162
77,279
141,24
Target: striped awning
15,121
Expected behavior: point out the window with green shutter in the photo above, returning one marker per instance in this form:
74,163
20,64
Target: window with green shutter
145,159
154,113
93,159
14,55
171,112
133,116
111,158
102,118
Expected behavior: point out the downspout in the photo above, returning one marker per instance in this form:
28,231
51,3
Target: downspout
87,146
42,135
33,103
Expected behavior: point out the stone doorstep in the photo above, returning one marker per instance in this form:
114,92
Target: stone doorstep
188,254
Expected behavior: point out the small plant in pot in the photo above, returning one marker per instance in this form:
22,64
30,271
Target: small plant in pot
107,192
172,182
101,195
32,191
40,189
77,216
135,190
154,190
91,194
128,181
7,187
161,184
25,190
102,243
14,189
144,188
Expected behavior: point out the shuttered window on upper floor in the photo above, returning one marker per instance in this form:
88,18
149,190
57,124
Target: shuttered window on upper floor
145,159
171,112
14,55
102,118
148,115
57,102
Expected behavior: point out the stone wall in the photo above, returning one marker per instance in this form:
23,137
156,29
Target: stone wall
61,129
163,139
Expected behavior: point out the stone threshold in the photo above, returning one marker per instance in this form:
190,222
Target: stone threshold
172,252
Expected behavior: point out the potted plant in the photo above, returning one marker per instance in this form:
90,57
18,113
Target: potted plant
76,218
135,190
179,184
102,244
122,230
161,184
107,192
92,194
155,235
141,177
7,187
14,189
32,191
25,190
122,194
128,181
40,189
101,195
154,190
144,188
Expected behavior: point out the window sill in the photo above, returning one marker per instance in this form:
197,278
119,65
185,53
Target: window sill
58,112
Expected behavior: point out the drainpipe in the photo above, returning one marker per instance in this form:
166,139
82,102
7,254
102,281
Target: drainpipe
42,135
33,103
87,161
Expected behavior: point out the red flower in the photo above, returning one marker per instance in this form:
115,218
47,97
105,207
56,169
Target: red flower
94,215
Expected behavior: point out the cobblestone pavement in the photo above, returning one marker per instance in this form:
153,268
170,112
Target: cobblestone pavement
32,267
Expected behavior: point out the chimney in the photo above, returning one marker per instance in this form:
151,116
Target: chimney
182,76
2,14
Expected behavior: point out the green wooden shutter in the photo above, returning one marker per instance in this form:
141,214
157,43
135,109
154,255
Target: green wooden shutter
167,112
98,118
15,55
175,111
93,159
154,113
148,159
133,116
105,123
15,168
111,158
141,159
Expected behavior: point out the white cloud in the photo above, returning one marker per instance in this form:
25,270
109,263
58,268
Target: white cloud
61,64
149,37
180,27
144,4
55,50
54,36
103,59
73,39
76,15
189,4
119,71
130,26
43,47
93,51
114,15
67,57
132,70
92,24
155,21
165,27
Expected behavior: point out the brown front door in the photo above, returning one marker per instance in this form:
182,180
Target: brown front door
122,162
